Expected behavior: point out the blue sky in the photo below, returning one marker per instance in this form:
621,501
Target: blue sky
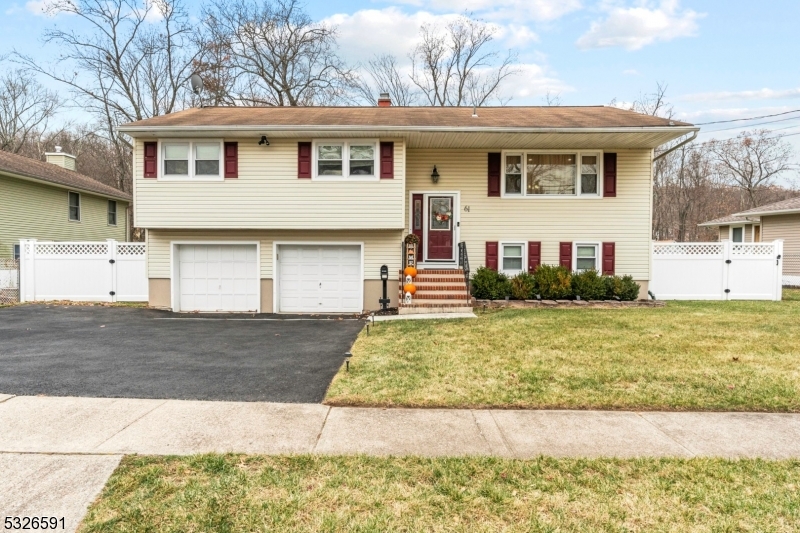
722,59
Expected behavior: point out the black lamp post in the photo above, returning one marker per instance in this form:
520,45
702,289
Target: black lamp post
384,278
435,175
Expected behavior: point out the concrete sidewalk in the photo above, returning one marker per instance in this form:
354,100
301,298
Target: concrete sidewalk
120,426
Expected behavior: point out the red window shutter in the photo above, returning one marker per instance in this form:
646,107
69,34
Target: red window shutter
609,258
609,175
534,255
150,160
491,255
565,255
494,174
387,160
304,160
231,160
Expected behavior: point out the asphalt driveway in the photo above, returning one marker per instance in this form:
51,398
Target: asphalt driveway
144,353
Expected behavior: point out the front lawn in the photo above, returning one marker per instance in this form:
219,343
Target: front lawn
741,356
234,493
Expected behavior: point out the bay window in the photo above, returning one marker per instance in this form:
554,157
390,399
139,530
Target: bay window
191,160
538,174
345,159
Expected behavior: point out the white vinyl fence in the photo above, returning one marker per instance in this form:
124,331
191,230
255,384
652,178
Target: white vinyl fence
717,271
9,281
107,271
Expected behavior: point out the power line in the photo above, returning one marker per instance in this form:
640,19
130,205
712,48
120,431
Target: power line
743,119
753,125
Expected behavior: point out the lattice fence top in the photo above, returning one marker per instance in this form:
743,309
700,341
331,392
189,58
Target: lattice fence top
9,264
689,248
752,249
71,248
138,248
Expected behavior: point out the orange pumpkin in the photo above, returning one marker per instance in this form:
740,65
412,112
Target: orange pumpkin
410,271
410,288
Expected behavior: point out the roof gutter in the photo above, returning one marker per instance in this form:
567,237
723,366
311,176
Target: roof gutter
687,141
792,211
77,188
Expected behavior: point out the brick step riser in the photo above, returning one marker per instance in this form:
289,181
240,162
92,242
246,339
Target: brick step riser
423,271
441,280
440,302
451,288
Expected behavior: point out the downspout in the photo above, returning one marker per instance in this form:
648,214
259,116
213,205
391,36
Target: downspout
687,141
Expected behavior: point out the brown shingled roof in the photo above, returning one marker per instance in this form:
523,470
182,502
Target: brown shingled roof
510,117
724,221
39,170
792,204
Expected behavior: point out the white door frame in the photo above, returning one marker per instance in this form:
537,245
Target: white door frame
276,274
456,224
174,267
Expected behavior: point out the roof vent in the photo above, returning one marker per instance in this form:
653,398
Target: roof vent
384,100
475,111
58,149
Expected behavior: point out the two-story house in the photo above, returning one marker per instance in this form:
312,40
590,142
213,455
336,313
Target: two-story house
281,209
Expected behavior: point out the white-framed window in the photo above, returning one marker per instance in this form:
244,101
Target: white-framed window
112,213
586,256
16,251
345,159
197,160
737,233
74,206
512,257
541,174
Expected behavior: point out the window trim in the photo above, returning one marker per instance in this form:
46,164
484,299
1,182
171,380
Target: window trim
108,212
17,251
163,176
744,233
501,255
598,258
69,207
578,156
346,160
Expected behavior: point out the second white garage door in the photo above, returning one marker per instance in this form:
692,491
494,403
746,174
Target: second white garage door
319,279
218,277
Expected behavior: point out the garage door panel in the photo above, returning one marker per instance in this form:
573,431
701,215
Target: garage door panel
218,277
320,278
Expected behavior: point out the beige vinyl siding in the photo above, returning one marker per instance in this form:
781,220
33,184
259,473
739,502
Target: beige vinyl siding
786,227
268,195
30,210
624,220
724,233
381,247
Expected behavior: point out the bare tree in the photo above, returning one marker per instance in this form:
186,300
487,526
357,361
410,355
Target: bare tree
215,67
131,63
26,108
655,103
386,78
281,57
456,66
552,100
752,161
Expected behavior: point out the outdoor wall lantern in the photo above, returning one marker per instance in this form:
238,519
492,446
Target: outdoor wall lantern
435,175
263,141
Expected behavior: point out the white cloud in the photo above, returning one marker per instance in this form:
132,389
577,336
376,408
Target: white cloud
532,83
38,7
759,94
635,27
540,10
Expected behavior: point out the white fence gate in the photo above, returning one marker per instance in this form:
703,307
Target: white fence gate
107,271
717,271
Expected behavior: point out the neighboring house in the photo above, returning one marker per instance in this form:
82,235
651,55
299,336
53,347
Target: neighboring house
736,228
781,220
51,202
296,209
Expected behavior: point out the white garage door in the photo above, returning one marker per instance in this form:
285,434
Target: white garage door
218,277
319,279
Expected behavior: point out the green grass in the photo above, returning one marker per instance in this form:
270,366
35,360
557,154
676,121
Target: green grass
742,356
235,493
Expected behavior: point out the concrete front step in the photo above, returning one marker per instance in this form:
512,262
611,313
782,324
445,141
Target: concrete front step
415,309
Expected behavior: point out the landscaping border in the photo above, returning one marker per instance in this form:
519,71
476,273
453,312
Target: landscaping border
564,304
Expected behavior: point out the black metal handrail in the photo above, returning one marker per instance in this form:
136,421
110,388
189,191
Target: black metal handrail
463,262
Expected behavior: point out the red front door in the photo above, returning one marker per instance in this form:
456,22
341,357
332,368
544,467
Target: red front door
440,228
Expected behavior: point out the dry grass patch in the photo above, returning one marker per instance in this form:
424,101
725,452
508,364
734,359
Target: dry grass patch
740,356
314,493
